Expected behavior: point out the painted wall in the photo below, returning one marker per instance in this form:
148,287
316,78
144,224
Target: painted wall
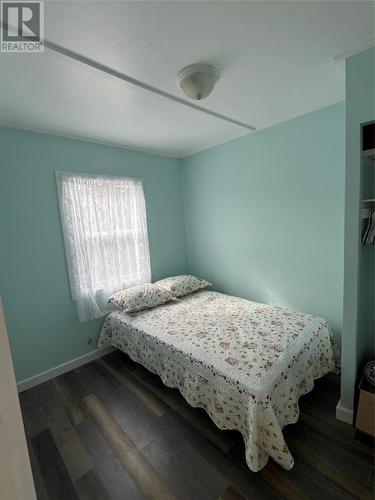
41,316
360,108
265,214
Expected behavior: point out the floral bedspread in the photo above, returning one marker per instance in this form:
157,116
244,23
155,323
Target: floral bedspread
245,363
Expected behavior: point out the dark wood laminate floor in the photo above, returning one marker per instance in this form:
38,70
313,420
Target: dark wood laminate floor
112,430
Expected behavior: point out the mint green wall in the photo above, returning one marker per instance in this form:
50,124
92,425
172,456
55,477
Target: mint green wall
360,108
41,317
265,214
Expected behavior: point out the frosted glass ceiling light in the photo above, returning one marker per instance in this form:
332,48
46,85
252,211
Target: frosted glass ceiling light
197,80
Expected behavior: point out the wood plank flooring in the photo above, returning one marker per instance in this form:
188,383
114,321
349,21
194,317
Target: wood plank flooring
111,430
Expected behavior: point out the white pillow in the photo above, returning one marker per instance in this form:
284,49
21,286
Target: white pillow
182,285
141,297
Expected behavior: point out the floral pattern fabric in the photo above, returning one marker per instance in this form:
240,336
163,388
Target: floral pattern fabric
245,363
183,284
140,297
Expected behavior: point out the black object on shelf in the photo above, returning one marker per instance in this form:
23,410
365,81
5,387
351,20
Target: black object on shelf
368,137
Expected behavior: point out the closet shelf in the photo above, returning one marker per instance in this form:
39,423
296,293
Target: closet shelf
370,153
368,201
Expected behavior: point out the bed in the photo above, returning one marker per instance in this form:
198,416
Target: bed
245,363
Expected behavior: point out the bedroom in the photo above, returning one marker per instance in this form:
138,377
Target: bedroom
251,172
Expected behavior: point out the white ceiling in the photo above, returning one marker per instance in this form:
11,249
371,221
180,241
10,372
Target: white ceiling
276,60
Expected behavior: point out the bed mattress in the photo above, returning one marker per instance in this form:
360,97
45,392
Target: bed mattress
245,363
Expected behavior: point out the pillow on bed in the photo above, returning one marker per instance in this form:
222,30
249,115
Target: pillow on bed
182,285
141,297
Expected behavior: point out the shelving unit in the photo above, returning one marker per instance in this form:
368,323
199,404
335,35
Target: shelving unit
367,171
370,154
366,256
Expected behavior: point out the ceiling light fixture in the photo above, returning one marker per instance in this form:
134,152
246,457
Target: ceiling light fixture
197,80
72,56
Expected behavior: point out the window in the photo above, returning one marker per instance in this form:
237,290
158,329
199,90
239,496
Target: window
105,234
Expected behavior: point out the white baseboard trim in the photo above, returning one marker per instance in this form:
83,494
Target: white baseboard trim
344,414
27,383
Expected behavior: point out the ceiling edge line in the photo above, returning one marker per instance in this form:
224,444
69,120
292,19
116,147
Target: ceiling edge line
61,135
138,83
356,50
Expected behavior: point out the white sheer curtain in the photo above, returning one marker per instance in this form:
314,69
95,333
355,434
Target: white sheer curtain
105,233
